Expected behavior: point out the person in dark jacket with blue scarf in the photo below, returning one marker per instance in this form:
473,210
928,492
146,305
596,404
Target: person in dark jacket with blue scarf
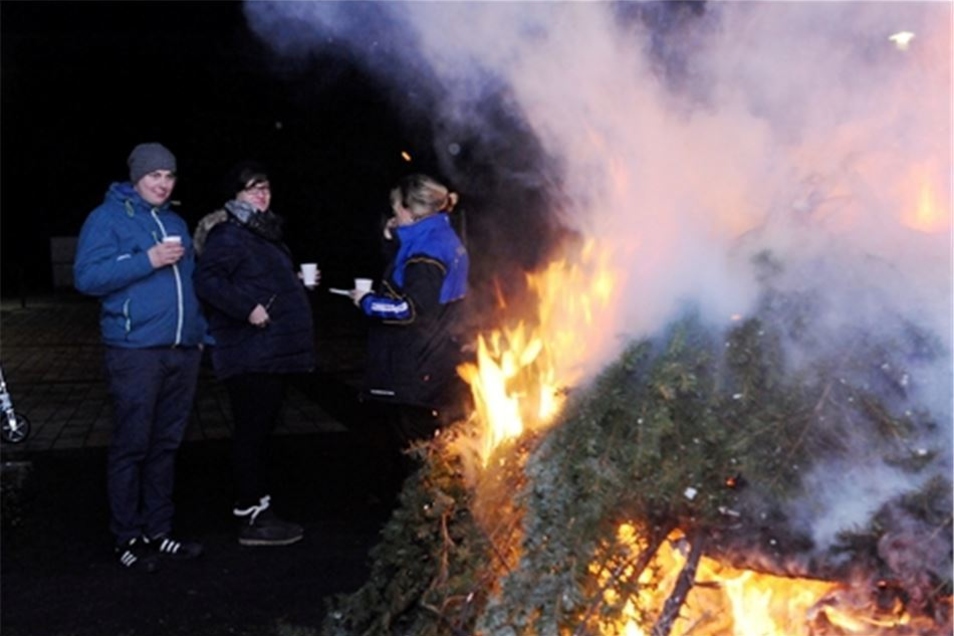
414,342
134,253
260,319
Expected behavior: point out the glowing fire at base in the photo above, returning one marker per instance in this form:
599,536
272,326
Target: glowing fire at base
727,601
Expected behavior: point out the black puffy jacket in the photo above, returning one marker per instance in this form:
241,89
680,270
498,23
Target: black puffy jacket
238,269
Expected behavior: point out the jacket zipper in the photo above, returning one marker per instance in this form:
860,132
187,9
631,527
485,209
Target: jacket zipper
175,271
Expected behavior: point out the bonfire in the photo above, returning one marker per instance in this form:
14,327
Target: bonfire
665,495
723,405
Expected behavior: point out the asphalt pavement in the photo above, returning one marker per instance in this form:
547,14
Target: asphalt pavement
58,577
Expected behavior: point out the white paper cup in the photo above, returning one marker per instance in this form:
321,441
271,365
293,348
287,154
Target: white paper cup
309,274
172,239
363,284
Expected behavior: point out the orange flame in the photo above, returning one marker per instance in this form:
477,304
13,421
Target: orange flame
520,372
727,601
518,383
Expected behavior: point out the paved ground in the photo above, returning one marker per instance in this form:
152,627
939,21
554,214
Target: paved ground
57,574
53,363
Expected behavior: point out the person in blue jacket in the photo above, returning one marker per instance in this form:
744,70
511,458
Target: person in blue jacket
260,319
135,254
414,342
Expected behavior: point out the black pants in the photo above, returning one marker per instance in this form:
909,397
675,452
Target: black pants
395,427
414,423
256,400
411,424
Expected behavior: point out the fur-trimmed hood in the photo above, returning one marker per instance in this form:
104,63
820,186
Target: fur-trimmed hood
266,224
205,226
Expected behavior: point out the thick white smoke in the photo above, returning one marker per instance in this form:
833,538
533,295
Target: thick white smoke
691,140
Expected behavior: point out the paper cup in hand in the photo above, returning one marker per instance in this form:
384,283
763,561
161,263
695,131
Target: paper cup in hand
177,240
309,274
362,284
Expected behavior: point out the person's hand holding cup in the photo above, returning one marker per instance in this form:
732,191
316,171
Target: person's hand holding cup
168,252
310,275
362,287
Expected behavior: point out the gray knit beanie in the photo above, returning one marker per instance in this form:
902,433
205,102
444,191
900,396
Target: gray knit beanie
146,158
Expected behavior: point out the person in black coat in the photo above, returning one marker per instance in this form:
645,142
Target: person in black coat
260,320
415,336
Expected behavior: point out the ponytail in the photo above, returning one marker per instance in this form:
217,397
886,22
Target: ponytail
450,202
423,195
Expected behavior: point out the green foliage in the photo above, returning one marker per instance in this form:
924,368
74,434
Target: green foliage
701,427
683,431
422,580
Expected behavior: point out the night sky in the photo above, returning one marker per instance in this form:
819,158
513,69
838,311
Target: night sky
83,82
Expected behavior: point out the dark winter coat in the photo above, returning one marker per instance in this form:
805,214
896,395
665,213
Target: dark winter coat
142,307
241,266
414,342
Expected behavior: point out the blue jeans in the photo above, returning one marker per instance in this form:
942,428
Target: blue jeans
152,391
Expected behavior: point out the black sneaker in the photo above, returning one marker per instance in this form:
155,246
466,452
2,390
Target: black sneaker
166,546
134,555
259,526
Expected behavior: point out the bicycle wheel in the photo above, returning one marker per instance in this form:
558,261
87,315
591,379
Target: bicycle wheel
15,430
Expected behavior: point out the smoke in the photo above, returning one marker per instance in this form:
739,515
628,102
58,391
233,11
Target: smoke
687,138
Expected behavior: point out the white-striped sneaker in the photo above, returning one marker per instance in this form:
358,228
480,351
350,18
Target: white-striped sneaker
166,546
134,555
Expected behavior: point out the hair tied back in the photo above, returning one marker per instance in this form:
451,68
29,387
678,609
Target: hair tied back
451,202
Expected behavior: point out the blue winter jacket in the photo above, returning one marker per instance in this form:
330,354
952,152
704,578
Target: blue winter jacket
141,307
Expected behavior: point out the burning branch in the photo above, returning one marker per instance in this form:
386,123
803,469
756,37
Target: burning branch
632,568
681,432
684,584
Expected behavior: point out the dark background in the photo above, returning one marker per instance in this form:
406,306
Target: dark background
84,82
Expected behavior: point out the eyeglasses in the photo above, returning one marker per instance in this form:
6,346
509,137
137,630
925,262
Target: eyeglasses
261,188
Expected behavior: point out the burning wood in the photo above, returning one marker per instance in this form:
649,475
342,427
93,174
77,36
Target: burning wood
584,523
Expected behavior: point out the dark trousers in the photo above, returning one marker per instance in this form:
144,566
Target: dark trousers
410,424
396,427
393,427
256,401
152,391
